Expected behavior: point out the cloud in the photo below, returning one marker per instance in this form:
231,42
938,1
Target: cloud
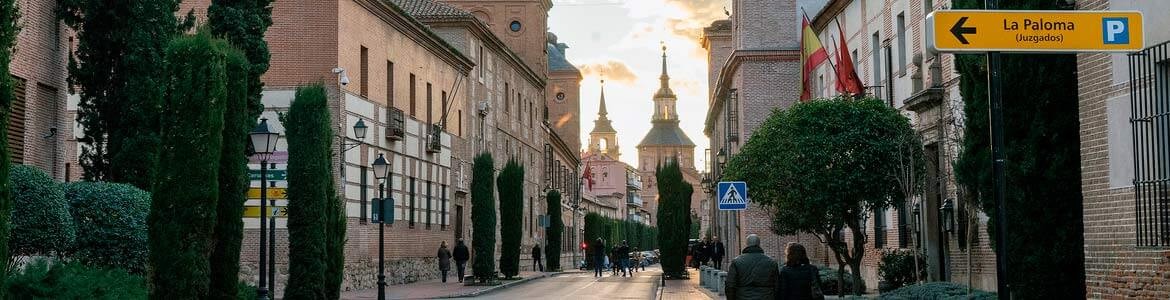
611,70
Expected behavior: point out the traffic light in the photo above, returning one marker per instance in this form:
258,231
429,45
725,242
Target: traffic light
583,245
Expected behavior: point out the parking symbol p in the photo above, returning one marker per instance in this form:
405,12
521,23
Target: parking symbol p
1115,30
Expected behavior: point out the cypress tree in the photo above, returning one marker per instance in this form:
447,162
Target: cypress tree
552,248
8,29
673,217
243,23
334,245
118,66
511,185
183,210
594,229
483,217
233,180
309,193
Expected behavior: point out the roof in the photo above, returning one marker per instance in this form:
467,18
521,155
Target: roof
556,58
430,8
666,134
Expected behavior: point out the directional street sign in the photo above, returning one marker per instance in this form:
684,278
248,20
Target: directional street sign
1034,31
272,175
273,193
732,195
254,211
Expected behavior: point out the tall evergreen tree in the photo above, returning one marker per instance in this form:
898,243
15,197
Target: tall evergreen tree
183,210
8,30
310,190
244,23
1042,145
233,180
483,217
511,185
674,210
334,245
552,237
118,67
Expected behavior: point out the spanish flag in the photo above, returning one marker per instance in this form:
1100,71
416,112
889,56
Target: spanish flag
812,54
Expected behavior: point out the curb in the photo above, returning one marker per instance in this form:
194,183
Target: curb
501,286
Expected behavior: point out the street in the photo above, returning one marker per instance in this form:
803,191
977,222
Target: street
582,285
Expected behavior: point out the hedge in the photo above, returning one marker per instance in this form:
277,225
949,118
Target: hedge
511,186
483,217
41,224
936,290
111,225
44,280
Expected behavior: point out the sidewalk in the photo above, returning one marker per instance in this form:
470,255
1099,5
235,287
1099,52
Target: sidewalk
430,289
686,289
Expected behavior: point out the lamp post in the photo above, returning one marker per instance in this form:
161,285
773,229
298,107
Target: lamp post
381,173
264,144
722,157
948,215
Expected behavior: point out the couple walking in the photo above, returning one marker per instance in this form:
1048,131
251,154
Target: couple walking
619,257
754,275
461,256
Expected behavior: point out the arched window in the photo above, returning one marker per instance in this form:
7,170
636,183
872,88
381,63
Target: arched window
603,144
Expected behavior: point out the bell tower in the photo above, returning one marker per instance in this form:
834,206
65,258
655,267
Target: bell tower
603,138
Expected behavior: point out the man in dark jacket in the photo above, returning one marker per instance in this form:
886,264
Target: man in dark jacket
752,275
598,257
536,264
461,256
624,259
717,253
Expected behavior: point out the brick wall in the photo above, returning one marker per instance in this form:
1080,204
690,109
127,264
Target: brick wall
39,60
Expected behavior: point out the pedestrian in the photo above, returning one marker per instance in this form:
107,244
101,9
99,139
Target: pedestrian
598,257
798,280
614,260
637,257
717,253
624,258
461,256
707,250
444,260
701,253
536,263
752,275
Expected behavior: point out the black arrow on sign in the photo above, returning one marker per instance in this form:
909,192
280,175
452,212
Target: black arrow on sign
958,30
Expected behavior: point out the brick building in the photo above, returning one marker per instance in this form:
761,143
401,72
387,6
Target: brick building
38,121
1124,133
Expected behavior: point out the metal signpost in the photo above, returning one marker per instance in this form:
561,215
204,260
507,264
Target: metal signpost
994,31
732,195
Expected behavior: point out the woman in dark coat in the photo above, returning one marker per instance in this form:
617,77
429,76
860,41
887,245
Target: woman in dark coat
799,280
444,260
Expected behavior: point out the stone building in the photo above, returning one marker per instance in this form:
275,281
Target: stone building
38,122
1124,131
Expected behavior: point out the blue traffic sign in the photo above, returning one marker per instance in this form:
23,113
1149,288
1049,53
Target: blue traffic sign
732,195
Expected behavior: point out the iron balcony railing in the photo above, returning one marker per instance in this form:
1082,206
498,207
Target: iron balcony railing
1149,74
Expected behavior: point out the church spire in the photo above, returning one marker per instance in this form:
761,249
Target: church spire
665,78
601,113
603,124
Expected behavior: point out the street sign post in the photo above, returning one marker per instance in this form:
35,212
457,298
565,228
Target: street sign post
383,211
1034,31
732,195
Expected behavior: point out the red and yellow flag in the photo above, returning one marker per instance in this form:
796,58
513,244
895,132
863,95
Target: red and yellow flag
812,54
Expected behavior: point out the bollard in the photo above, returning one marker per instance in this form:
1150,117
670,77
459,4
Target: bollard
722,278
703,281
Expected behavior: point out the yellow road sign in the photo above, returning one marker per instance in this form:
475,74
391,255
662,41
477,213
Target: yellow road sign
1034,31
254,211
273,193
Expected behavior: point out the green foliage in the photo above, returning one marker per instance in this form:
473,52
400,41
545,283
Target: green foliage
245,291
674,209
829,277
41,224
694,233
937,290
185,195
1043,169
111,225
119,67
309,193
233,179
334,245
613,231
897,268
243,23
8,30
511,186
483,217
44,280
552,237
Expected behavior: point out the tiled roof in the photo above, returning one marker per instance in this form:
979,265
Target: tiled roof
430,9
557,61
666,133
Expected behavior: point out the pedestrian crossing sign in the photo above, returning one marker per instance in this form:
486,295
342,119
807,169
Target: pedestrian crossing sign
732,195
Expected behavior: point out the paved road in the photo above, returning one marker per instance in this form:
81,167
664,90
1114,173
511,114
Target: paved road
578,285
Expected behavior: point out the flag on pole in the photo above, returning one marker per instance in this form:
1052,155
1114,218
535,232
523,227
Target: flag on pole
847,80
588,176
812,54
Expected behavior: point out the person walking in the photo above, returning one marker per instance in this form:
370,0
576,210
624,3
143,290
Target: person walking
536,263
598,257
706,248
717,253
614,260
624,258
444,260
637,259
752,275
461,256
798,279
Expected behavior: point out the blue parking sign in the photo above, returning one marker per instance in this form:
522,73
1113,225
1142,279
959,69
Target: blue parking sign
732,195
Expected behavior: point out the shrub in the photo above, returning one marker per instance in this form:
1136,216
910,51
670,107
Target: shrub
829,281
111,225
511,186
40,215
233,179
245,291
897,269
483,217
44,280
552,253
673,217
936,290
309,192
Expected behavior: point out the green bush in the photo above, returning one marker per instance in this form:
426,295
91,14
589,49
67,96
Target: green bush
9,26
483,217
43,280
829,281
40,215
552,252
673,217
245,291
511,186
111,225
936,290
897,269
233,179
309,192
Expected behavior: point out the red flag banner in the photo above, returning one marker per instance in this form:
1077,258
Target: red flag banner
812,54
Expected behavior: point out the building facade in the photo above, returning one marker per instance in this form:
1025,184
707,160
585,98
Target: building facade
38,121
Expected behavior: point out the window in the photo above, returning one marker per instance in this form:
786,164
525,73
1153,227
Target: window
430,103
1150,79
530,210
902,43
531,114
876,60
16,121
519,107
515,26
443,208
459,122
443,111
389,83
413,204
904,227
507,99
429,201
364,188
928,6
413,99
481,66
365,73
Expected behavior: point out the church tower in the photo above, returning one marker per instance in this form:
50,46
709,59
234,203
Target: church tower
603,138
665,139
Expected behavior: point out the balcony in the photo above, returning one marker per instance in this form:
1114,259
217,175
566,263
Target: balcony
633,183
633,200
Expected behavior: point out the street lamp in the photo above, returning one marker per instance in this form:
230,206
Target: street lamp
264,144
706,183
381,172
359,129
948,215
722,157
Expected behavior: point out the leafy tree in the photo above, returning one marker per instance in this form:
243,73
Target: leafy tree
8,30
183,210
309,193
111,224
552,237
822,166
118,66
233,179
41,224
483,217
511,185
1041,145
674,210
243,23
